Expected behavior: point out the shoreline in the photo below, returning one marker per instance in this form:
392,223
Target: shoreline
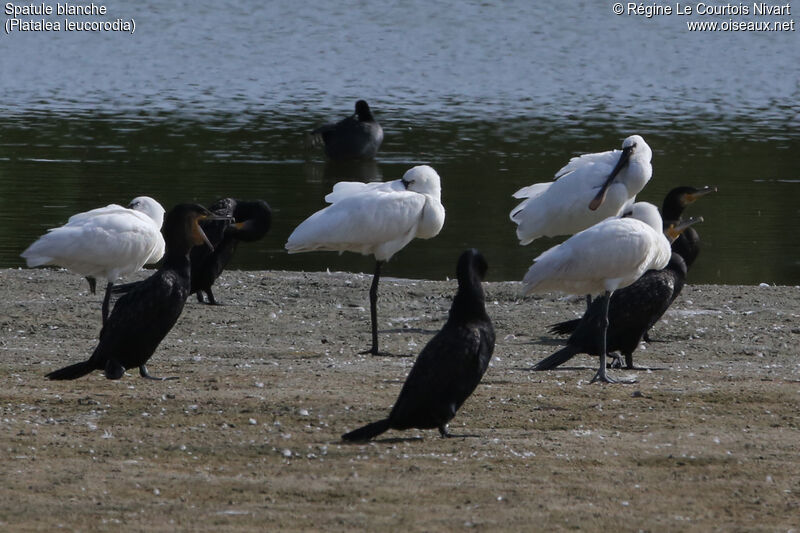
250,433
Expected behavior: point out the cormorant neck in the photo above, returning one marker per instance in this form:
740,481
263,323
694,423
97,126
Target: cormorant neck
176,257
678,264
687,246
469,301
672,208
252,229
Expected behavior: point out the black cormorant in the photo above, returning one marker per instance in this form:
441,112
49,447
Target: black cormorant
450,366
686,244
631,312
251,221
144,315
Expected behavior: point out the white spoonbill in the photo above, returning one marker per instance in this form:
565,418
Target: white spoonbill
111,241
590,188
377,218
601,259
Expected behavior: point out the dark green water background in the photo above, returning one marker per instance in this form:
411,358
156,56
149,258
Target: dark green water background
214,101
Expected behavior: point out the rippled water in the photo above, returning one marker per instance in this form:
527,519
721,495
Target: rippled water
211,99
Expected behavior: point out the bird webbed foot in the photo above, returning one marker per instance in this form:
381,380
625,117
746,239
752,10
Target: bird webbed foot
113,369
210,300
616,360
145,374
603,377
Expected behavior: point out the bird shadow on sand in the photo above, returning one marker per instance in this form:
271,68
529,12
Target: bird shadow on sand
411,330
389,440
417,438
544,341
381,353
583,368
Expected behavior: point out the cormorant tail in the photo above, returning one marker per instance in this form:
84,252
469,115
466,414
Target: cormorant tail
124,288
75,371
560,357
564,328
367,432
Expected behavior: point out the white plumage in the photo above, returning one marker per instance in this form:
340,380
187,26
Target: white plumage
562,207
607,256
374,218
109,242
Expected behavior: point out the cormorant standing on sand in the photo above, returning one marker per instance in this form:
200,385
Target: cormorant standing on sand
252,220
686,244
450,366
631,312
146,313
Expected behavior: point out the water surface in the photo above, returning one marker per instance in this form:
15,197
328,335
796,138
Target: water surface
212,99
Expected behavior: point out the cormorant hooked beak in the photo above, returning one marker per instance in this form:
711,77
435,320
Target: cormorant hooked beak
674,230
598,200
692,197
209,216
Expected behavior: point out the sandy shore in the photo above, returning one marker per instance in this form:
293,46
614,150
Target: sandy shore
248,437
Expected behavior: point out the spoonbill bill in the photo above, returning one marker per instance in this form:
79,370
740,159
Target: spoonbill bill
590,188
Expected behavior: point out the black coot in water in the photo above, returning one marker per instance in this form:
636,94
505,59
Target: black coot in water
248,221
450,366
356,137
144,315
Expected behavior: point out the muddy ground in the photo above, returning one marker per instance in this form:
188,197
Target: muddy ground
248,437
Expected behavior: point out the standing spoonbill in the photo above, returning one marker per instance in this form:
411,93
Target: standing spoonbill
356,137
144,315
450,366
590,188
111,242
377,218
686,244
632,311
601,259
